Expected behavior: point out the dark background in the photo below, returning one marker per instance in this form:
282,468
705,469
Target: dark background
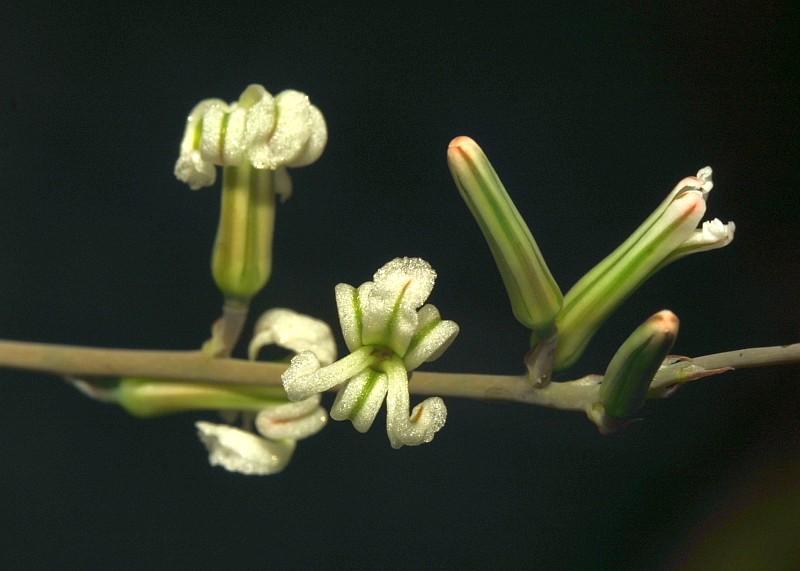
589,113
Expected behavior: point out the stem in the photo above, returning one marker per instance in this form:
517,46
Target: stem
187,366
66,360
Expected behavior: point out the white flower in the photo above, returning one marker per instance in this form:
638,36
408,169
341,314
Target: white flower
280,425
389,333
268,132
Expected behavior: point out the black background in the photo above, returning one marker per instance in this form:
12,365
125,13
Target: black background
589,113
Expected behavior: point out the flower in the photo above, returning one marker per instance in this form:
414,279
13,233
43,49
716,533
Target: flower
669,233
389,332
265,131
254,139
280,425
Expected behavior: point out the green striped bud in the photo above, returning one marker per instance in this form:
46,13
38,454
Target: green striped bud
534,295
632,369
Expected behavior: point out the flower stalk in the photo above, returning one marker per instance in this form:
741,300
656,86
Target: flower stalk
669,233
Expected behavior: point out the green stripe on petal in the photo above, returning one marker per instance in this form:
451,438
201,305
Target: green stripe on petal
361,399
304,377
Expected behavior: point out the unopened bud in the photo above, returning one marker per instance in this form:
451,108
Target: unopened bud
533,292
632,369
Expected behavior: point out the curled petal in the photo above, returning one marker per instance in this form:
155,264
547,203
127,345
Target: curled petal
212,143
427,418
631,370
234,144
430,342
389,312
191,167
347,304
704,180
598,293
268,132
261,112
534,294
304,377
712,235
360,399
316,141
293,331
293,421
243,452
282,184
407,280
292,130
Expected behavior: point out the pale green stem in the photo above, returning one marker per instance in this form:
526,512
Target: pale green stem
227,329
81,362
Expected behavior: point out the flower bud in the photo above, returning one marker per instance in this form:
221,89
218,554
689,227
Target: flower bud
632,369
668,233
534,295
